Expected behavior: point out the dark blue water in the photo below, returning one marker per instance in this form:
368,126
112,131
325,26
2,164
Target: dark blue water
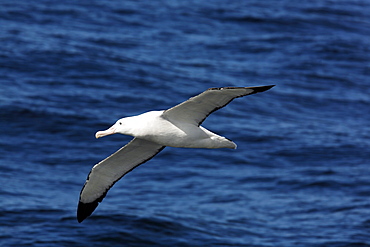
300,175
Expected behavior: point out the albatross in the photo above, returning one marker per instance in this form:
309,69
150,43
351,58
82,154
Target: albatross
179,126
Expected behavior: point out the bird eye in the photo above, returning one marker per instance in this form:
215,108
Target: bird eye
120,123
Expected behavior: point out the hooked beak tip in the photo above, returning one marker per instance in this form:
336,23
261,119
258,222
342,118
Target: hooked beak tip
98,135
103,133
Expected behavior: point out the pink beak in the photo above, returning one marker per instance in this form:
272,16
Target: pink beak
110,131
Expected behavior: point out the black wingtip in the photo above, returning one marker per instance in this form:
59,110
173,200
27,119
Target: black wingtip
84,210
261,88
257,89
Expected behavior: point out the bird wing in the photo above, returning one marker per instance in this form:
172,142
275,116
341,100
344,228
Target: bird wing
107,172
196,109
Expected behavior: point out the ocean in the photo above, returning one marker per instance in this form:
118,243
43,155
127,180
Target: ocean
299,177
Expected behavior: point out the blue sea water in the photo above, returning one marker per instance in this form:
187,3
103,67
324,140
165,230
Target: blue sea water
300,175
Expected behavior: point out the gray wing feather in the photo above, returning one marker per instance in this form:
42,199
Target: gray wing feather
107,172
198,108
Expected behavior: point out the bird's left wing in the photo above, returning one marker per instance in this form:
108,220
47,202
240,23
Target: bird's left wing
107,172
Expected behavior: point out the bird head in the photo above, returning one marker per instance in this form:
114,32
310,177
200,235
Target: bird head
118,127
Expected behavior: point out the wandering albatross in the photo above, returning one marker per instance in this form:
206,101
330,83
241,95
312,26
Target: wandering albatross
178,126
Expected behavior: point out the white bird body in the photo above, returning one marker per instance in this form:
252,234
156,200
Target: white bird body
153,126
178,126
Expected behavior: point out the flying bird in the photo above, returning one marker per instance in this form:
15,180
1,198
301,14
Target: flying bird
179,126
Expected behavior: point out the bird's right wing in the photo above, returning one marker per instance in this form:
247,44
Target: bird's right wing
196,109
107,172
